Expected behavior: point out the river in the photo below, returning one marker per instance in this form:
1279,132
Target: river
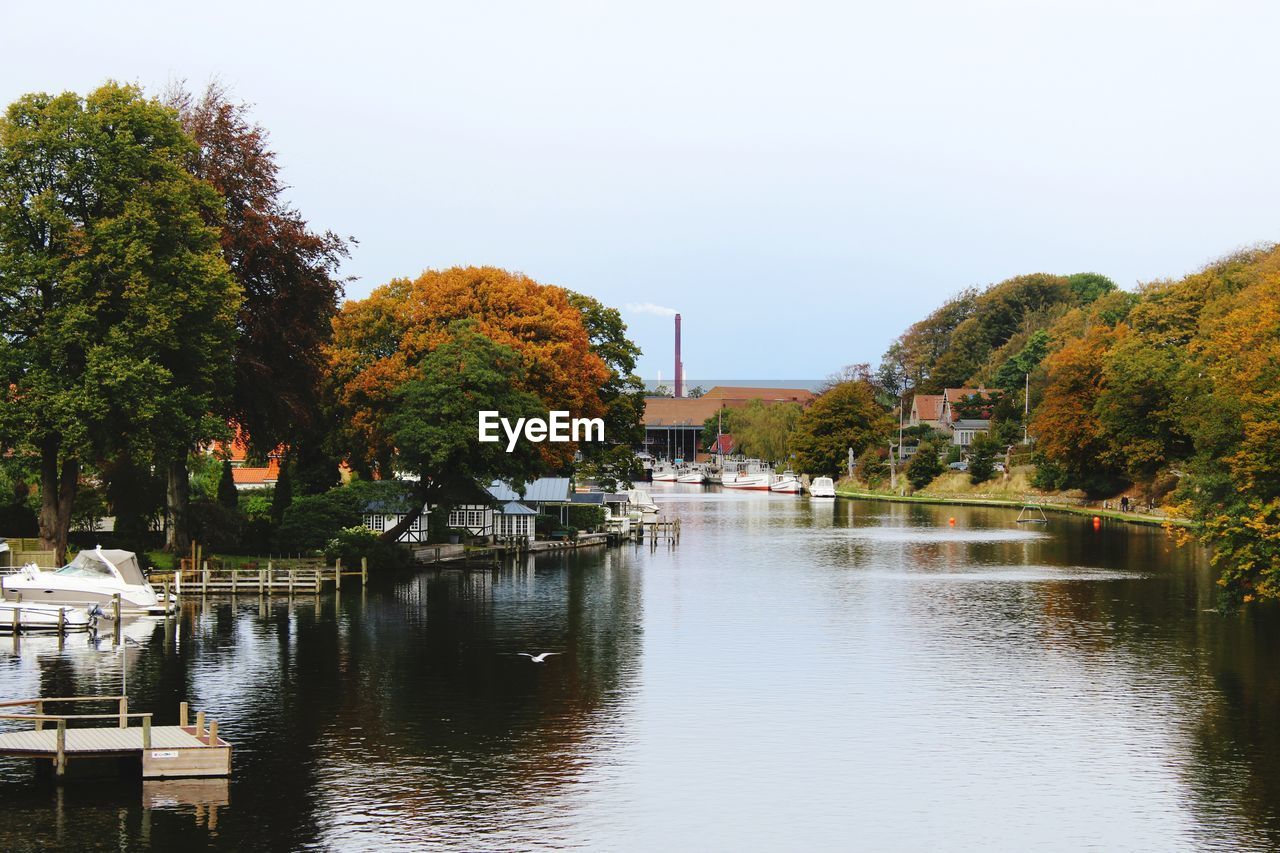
792,675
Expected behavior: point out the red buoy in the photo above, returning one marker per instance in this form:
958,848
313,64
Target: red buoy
1097,522
951,521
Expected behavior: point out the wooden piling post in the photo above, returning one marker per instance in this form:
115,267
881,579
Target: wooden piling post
213,733
204,565
60,757
182,714
199,723
39,713
124,712
146,732
17,615
364,571
262,581
337,574
62,621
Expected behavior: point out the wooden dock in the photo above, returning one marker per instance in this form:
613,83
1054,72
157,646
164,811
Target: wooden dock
302,575
181,751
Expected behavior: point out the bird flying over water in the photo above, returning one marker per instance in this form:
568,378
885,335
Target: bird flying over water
539,658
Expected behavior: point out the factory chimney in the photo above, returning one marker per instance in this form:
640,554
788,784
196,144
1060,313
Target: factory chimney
679,366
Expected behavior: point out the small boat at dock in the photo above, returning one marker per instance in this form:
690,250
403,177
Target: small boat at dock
96,576
692,474
29,618
787,483
822,487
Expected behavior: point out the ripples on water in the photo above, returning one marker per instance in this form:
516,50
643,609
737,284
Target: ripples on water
791,675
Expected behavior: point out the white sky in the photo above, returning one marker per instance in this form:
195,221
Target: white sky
800,180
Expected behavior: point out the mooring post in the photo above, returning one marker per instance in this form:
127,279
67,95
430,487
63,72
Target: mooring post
364,571
62,621
199,723
337,573
39,713
213,733
205,577
115,614
146,732
182,714
17,615
60,758
124,712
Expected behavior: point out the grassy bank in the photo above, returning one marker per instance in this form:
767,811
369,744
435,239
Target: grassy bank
1016,492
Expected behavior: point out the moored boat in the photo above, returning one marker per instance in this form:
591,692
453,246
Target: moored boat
787,483
822,487
43,617
692,474
94,577
664,472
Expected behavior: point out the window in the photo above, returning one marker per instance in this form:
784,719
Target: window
376,523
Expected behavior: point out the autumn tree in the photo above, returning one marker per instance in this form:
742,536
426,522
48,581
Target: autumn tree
116,304
379,343
1065,426
845,416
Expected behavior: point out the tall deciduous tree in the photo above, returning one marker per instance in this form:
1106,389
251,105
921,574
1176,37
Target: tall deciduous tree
613,461
116,306
380,342
288,274
435,421
846,415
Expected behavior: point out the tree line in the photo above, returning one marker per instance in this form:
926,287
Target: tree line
158,294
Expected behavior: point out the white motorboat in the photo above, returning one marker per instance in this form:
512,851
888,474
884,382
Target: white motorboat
692,474
746,474
93,577
787,483
663,472
822,487
43,617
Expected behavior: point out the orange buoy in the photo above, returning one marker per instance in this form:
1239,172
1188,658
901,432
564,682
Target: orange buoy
951,521
1097,522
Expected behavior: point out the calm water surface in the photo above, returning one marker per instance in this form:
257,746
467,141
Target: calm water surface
794,674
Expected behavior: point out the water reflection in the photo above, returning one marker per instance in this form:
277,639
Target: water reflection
793,674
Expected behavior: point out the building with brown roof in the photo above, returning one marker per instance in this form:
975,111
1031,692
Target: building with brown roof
673,425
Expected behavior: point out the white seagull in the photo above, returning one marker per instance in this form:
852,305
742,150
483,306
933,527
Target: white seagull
539,658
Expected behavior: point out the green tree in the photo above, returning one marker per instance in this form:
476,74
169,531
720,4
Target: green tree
227,495
282,495
117,307
982,458
612,463
434,423
924,466
845,416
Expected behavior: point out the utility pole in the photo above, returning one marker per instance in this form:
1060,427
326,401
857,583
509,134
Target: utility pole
1026,404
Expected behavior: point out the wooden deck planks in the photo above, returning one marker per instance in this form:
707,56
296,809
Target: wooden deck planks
85,741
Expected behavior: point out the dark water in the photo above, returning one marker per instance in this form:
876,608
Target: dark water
792,676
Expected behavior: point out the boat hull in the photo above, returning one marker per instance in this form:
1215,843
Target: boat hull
43,617
789,486
750,482
696,479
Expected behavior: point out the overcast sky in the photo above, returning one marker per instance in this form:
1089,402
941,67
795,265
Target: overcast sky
800,180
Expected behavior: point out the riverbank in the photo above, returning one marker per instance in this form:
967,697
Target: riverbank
845,491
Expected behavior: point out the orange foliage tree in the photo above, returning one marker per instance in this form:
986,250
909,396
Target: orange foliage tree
379,344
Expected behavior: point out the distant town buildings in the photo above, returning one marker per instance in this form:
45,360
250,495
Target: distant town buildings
673,425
